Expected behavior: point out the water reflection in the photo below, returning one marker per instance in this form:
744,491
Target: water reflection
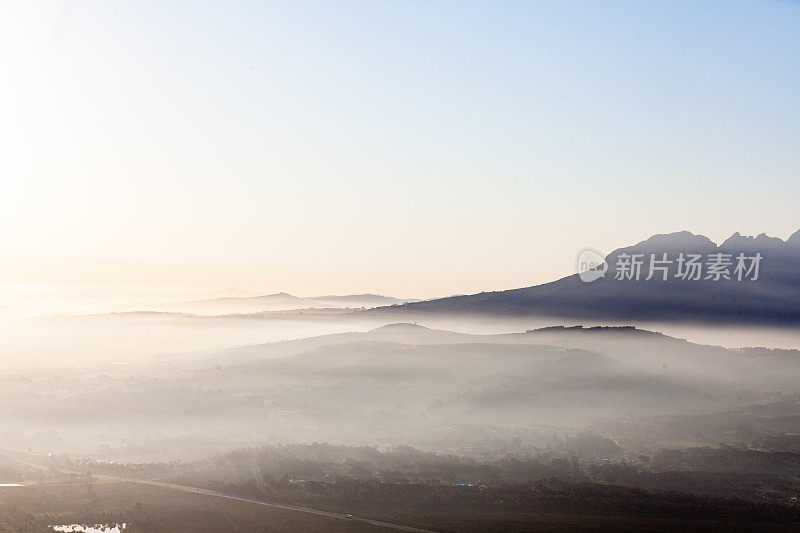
96,528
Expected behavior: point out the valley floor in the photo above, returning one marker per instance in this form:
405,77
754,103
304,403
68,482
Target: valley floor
161,508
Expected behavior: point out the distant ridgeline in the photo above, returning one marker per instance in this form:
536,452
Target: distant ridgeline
615,329
672,277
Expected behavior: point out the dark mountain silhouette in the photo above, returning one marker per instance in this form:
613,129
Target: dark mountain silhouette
773,297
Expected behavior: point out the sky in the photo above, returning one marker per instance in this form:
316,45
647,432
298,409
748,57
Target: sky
416,149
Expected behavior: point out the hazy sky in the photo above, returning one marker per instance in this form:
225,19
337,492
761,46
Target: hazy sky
409,148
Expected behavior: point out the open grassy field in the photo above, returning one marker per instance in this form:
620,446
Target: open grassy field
148,508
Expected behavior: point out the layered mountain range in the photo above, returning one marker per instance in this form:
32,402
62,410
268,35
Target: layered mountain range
674,277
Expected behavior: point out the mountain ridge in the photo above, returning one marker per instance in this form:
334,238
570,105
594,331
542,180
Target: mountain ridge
770,295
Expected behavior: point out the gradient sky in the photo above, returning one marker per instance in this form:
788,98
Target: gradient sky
408,148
